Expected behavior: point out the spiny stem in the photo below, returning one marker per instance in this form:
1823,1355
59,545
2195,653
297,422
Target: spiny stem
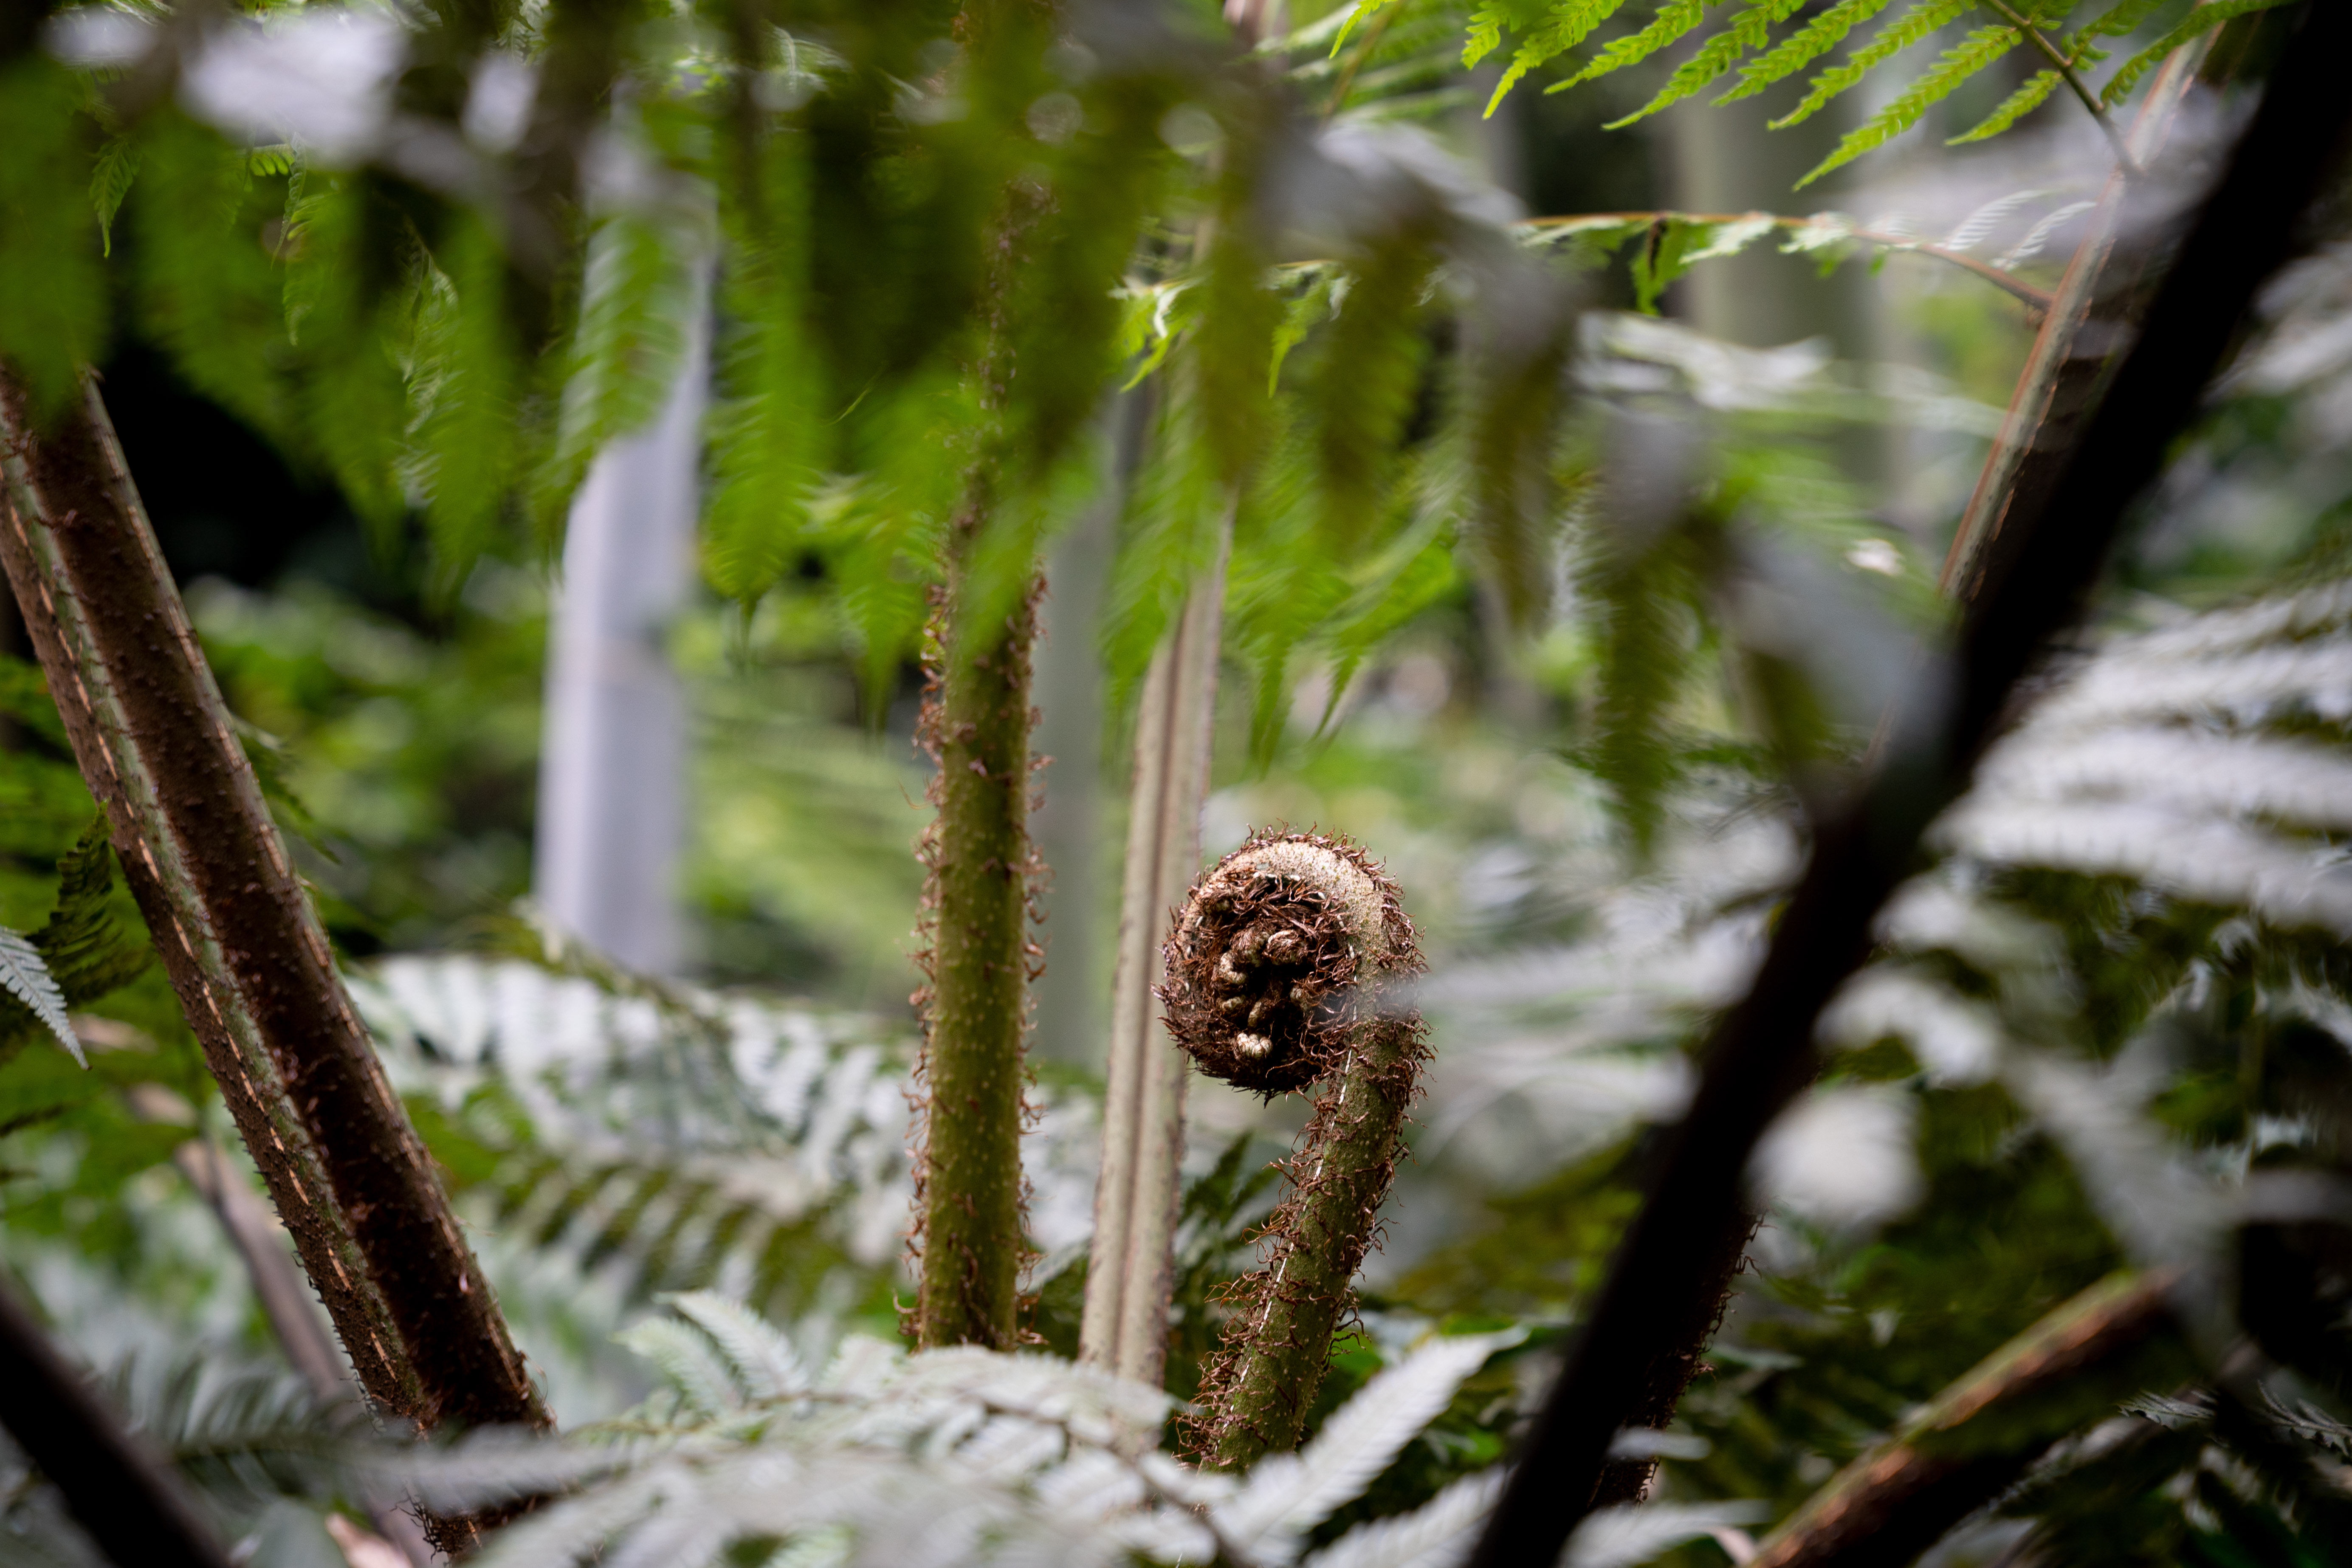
1276,974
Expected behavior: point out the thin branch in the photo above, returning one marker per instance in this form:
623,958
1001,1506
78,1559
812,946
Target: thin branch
2065,66
1761,1055
1899,1498
2035,298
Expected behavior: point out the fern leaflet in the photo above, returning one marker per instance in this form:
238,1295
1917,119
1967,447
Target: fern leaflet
2115,22
1751,29
1676,19
2029,97
1569,26
110,182
27,979
1914,26
1979,49
2199,22
1801,48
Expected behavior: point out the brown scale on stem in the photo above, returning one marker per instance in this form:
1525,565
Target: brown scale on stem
1278,974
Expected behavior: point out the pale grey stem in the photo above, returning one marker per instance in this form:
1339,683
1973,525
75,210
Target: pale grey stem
1124,1327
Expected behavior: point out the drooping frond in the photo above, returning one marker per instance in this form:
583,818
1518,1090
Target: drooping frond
1749,30
1925,18
2201,19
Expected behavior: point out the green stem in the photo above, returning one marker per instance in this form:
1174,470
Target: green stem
1280,1342
975,1010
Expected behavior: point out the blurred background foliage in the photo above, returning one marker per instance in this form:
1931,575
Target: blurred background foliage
1584,764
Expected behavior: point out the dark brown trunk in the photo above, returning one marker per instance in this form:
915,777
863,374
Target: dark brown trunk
115,1487
237,933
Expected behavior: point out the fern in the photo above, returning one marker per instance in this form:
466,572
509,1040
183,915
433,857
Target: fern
2029,95
1922,21
954,1456
1980,50
1751,29
27,979
1804,45
1569,24
1676,19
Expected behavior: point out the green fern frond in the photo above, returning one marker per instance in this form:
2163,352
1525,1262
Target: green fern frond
1676,19
1912,26
1751,29
1979,49
2200,21
110,182
1570,24
2118,21
2031,95
1358,14
1804,45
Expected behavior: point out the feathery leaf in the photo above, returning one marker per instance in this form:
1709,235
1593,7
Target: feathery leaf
27,979
1922,21
1979,49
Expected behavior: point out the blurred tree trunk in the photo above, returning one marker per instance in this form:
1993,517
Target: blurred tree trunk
612,770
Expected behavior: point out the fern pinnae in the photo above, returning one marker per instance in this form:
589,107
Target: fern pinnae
1804,45
2031,95
2200,20
1675,20
1569,26
26,978
1751,29
1434,1536
763,1361
1914,26
1289,1494
1979,49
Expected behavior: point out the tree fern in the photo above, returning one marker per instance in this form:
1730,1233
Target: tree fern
1676,19
2029,95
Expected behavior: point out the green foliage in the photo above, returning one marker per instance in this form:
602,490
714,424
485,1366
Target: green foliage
1747,42
53,305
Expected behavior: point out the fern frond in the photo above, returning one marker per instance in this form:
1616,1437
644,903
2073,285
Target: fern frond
1804,45
1289,1494
763,1361
2037,236
26,978
1630,1533
2031,95
1972,230
1751,29
1921,22
2118,21
2201,19
110,182
1675,20
1979,49
1435,1535
1569,24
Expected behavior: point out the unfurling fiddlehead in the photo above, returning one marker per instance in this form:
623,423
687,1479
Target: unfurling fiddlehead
1276,972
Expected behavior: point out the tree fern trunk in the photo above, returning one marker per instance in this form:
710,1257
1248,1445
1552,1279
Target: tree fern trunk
238,935
1124,1328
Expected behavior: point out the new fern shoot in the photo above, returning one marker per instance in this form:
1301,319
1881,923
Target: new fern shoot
1278,974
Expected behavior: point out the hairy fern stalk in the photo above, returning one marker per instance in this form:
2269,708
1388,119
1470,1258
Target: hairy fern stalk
1275,976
